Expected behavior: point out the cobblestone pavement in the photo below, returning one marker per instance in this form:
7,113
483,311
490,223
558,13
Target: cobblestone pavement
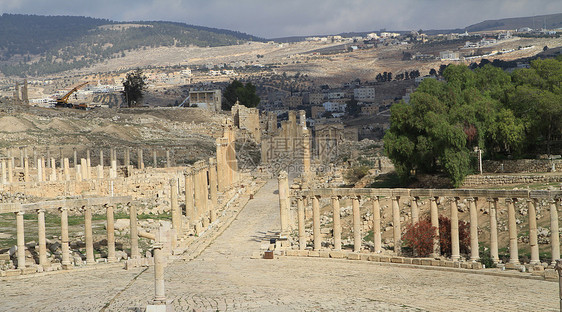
224,278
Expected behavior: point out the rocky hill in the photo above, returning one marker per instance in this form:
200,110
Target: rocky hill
550,21
39,45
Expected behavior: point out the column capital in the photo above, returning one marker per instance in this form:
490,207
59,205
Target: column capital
158,245
395,197
415,198
510,200
471,199
530,199
40,210
433,198
61,209
335,197
492,200
21,212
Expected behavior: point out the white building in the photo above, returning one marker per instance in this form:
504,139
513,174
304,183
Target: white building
449,55
365,94
335,107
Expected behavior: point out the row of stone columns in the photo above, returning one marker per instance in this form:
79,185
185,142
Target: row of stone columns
65,242
201,195
434,217
113,156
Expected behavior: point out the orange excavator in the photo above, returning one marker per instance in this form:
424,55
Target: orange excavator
63,101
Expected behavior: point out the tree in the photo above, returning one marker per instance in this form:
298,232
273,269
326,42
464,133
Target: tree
237,91
134,85
352,108
432,72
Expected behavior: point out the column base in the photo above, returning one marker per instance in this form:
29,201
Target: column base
160,306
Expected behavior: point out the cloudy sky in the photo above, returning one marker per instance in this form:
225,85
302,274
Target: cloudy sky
280,18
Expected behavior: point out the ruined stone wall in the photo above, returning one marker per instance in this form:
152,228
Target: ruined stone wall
521,165
476,180
247,120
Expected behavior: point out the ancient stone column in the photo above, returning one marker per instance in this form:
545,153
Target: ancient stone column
66,169
493,205
21,157
159,290
397,233
53,169
42,237
213,188
316,222
26,170
474,253
306,154
175,208
198,192
34,156
11,170
377,224
75,157
110,234
205,194
20,240
100,172
134,232
533,240
455,244
101,157
4,177
65,247
154,159
111,155
222,166
78,172
48,157
88,234
127,156
43,170
434,215
283,181
189,207
300,216
554,232
140,161
512,226
84,168
168,163
356,223
415,210
337,222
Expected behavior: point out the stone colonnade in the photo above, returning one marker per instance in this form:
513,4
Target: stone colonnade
63,206
372,197
45,167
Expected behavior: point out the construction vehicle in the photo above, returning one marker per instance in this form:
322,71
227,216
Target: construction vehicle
63,101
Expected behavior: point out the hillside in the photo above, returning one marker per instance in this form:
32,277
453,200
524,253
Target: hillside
552,21
38,45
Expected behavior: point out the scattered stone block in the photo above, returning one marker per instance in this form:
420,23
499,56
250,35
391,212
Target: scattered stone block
385,259
353,256
512,266
426,261
324,254
291,253
417,261
336,254
550,275
435,262
397,260
466,265
313,253
28,270
268,254
302,253
13,272
408,260
376,258
537,270
364,257
476,265
256,255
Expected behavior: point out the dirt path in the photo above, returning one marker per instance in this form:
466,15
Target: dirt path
224,278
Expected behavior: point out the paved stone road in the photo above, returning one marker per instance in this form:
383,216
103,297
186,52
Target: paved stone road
224,278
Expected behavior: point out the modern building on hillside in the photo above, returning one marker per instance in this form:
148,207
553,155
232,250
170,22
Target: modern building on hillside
365,94
210,99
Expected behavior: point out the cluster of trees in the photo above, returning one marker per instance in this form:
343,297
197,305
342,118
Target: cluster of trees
408,75
387,76
237,91
133,87
506,115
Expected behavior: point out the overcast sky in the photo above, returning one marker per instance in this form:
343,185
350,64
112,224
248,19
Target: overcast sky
281,18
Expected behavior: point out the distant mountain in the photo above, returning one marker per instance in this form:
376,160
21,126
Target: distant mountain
39,45
536,22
